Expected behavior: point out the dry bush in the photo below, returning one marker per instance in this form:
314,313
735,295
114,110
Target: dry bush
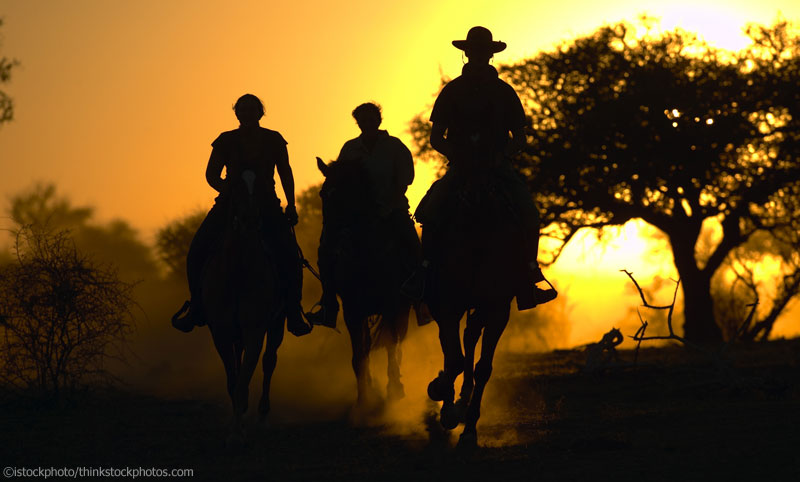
62,316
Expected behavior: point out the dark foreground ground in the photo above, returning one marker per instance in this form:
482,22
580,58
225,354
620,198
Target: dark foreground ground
673,417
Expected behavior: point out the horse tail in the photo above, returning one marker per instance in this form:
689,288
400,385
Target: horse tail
374,332
387,330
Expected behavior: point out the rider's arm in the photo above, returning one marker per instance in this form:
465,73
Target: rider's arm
438,141
516,121
214,171
286,176
404,167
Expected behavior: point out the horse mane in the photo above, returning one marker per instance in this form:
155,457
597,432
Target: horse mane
345,194
344,173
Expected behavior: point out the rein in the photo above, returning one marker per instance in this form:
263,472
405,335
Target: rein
306,264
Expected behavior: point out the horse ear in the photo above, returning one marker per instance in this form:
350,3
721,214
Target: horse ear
323,168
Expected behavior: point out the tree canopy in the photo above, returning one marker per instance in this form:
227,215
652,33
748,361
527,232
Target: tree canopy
42,209
6,103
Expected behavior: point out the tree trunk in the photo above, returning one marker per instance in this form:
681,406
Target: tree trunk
698,309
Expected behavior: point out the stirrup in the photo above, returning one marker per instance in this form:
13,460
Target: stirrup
413,288
300,327
182,319
531,298
423,313
322,316
537,276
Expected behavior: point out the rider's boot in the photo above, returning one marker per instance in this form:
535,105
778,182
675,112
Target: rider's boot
423,313
414,287
531,295
325,311
189,315
295,322
184,318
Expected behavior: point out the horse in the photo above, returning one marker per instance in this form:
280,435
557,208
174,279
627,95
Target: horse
243,301
368,273
474,269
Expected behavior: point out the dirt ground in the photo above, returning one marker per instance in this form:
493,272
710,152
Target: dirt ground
673,416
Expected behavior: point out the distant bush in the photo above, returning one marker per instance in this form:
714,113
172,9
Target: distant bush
173,240
62,316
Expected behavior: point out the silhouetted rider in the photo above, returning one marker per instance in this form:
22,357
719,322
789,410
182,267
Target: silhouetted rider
263,151
390,169
472,118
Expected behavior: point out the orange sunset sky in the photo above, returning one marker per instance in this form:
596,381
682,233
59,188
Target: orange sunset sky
117,102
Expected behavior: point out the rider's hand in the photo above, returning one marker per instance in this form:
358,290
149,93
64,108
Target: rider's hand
291,214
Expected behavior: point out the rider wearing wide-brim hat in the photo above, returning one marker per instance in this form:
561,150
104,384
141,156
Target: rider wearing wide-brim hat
480,38
471,122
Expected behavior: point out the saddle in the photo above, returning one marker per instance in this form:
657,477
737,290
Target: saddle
453,194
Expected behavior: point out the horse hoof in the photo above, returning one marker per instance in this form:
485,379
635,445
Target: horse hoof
433,391
460,409
395,392
467,442
436,392
263,422
369,403
235,440
263,408
449,417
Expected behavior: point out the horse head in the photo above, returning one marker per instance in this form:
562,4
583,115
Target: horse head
344,193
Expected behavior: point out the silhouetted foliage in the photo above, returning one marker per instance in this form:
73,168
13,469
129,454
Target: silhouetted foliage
766,268
421,135
309,227
43,210
310,205
666,128
63,315
173,240
6,103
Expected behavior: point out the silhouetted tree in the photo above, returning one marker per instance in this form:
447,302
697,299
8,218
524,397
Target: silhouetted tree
745,277
42,209
309,227
665,128
6,103
310,204
62,316
173,240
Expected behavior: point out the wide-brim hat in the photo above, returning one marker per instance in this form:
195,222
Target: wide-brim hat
480,38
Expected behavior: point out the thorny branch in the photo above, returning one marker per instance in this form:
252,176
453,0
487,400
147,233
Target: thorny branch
639,336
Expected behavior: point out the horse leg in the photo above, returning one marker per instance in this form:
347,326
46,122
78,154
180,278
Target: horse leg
394,388
441,388
360,360
253,343
495,324
268,362
223,342
472,332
